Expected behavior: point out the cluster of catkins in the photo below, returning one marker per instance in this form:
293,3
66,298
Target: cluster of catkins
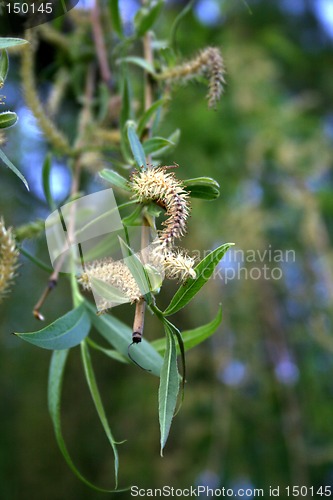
160,186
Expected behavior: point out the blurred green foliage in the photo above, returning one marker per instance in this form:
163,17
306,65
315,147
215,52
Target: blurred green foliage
258,405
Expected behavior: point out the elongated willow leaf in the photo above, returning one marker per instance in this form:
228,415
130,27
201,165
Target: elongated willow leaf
115,179
146,16
12,167
4,65
203,271
92,384
147,115
181,349
169,387
110,353
8,119
116,17
5,43
46,177
176,23
173,140
170,328
156,144
139,61
205,188
125,114
136,146
55,383
67,331
192,338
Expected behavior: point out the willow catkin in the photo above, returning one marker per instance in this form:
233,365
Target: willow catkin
114,273
162,187
8,259
209,63
176,263
166,190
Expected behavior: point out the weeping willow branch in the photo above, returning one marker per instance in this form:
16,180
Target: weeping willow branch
99,41
52,134
53,36
8,259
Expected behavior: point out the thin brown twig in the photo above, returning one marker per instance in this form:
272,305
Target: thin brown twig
140,308
148,56
83,123
100,44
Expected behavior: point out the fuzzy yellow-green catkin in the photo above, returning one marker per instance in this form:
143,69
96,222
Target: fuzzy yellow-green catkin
176,263
114,273
30,230
165,189
8,259
2,138
209,63
53,135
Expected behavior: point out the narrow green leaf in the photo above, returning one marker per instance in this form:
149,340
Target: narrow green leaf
46,177
12,167
173,141
36,261
125,115
192,338
134,218
67,331
31,230
116,18
147,115
114,178
146,16
176,23
119,335
202,187
169,388
8,119
136,146
11,42
181,349
156,144
4,65
111,353
203,270
93,388
139,61
137,270
103,100
166,53
55,382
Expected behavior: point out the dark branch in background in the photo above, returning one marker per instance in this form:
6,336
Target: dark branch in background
99,42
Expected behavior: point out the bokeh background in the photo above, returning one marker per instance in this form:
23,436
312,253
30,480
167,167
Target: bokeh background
258,409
